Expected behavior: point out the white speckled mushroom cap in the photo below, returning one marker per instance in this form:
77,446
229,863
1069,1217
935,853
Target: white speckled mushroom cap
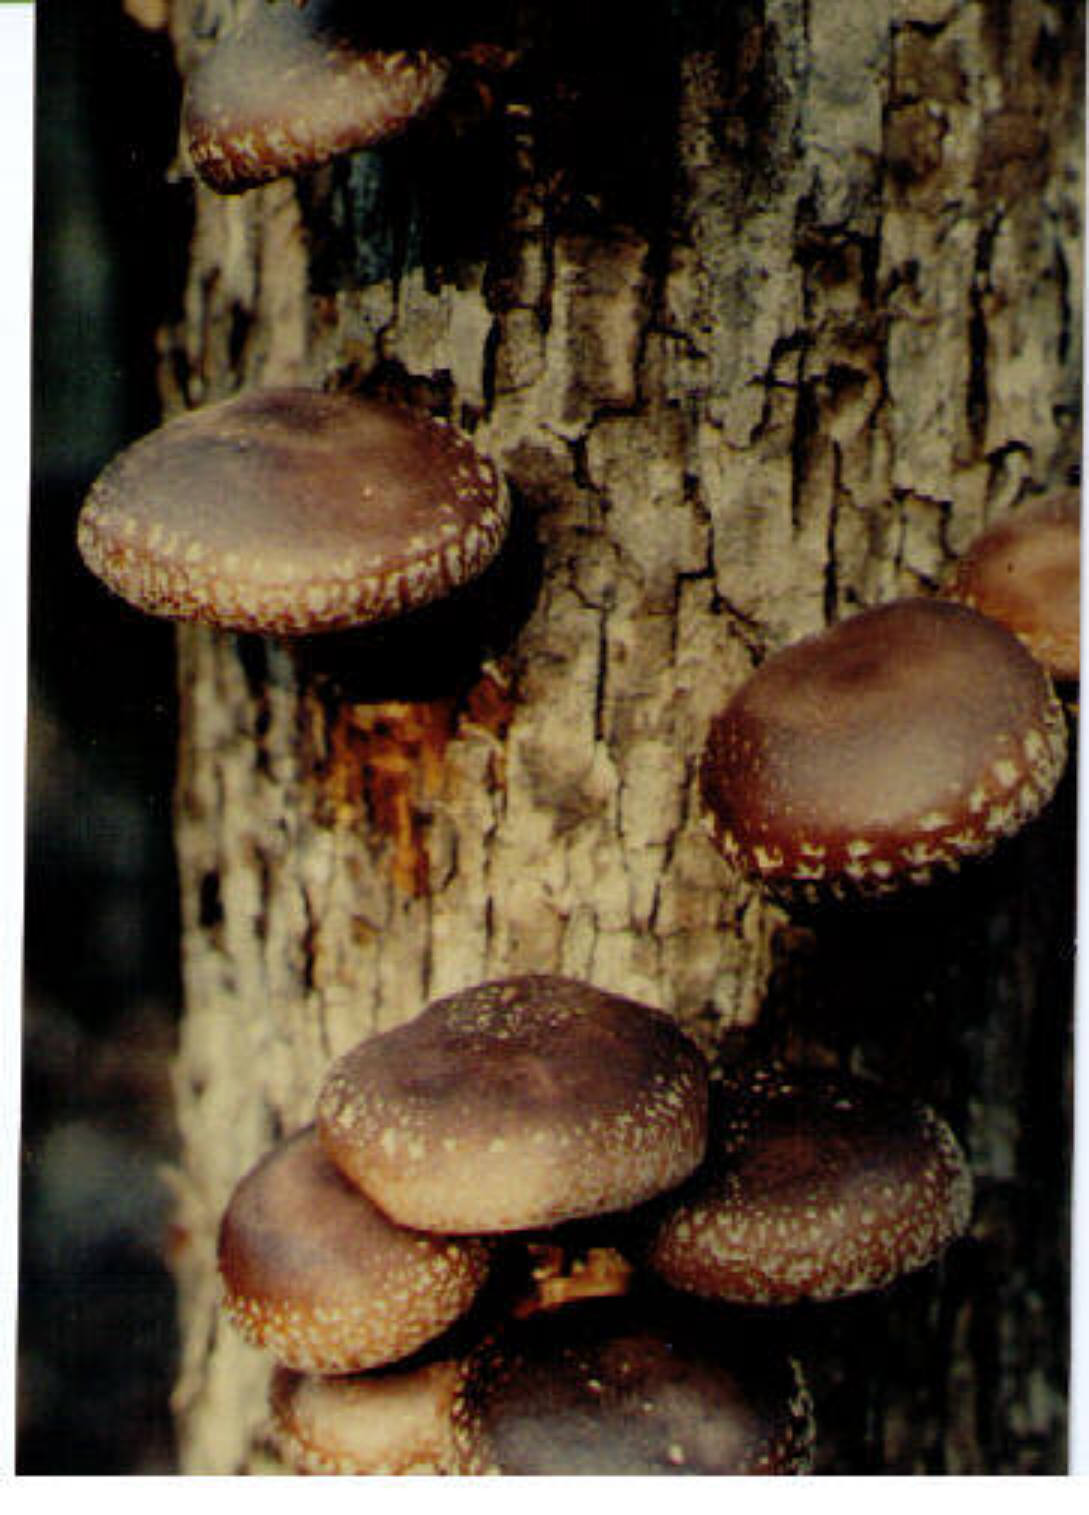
289,511
392,1422
815,1186
289,89
882,752
316,1275
589,1393
1025,571
515,1104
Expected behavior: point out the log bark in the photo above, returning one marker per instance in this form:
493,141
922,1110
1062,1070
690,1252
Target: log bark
764,310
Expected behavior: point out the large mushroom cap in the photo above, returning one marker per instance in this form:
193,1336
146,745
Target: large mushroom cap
516,1104
320,1278
816,1186
1025,572
874,754
290,88
594,1394
292,511
393,1422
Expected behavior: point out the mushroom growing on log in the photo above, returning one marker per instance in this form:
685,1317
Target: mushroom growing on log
515,1104
396,1421
815,1187
289,511
1025,572
883,752
318,1276
599,1392
285,92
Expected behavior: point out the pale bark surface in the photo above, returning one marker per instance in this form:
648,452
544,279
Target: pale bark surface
803,320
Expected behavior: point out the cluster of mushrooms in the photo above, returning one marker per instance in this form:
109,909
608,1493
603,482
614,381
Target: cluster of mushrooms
512,1238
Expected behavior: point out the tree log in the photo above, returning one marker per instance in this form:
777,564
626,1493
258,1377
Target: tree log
764,310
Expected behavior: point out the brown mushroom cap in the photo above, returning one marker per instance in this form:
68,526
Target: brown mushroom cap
871,755
591,1394
816,1186
1025,572
291,511
290,88
393,1422
320,1278
515,1104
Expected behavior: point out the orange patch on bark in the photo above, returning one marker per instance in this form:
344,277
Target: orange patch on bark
491,702
385,763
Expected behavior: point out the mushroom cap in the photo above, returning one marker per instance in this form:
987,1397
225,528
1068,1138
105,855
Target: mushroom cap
595,1393
319,1277
517,1103
1025,572
289,511
894,745
392,1422
290,88
816,1186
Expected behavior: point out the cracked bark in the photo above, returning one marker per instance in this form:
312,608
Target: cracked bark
763,317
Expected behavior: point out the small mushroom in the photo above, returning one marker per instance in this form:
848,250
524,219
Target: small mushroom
289,511
516,1104
601,1393
882,752
816,1186
321,1279
392,1422
1025,572
291,87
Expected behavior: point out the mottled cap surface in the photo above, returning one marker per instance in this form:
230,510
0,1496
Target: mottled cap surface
292,511
1025,572
319,1277
392,1422
883,751
515,1104
816,1186
586,1393
289,89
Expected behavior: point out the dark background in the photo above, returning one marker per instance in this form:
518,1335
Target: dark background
96,1334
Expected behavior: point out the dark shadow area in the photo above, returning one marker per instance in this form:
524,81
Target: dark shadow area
437,651
601,94
962,995
96,1332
